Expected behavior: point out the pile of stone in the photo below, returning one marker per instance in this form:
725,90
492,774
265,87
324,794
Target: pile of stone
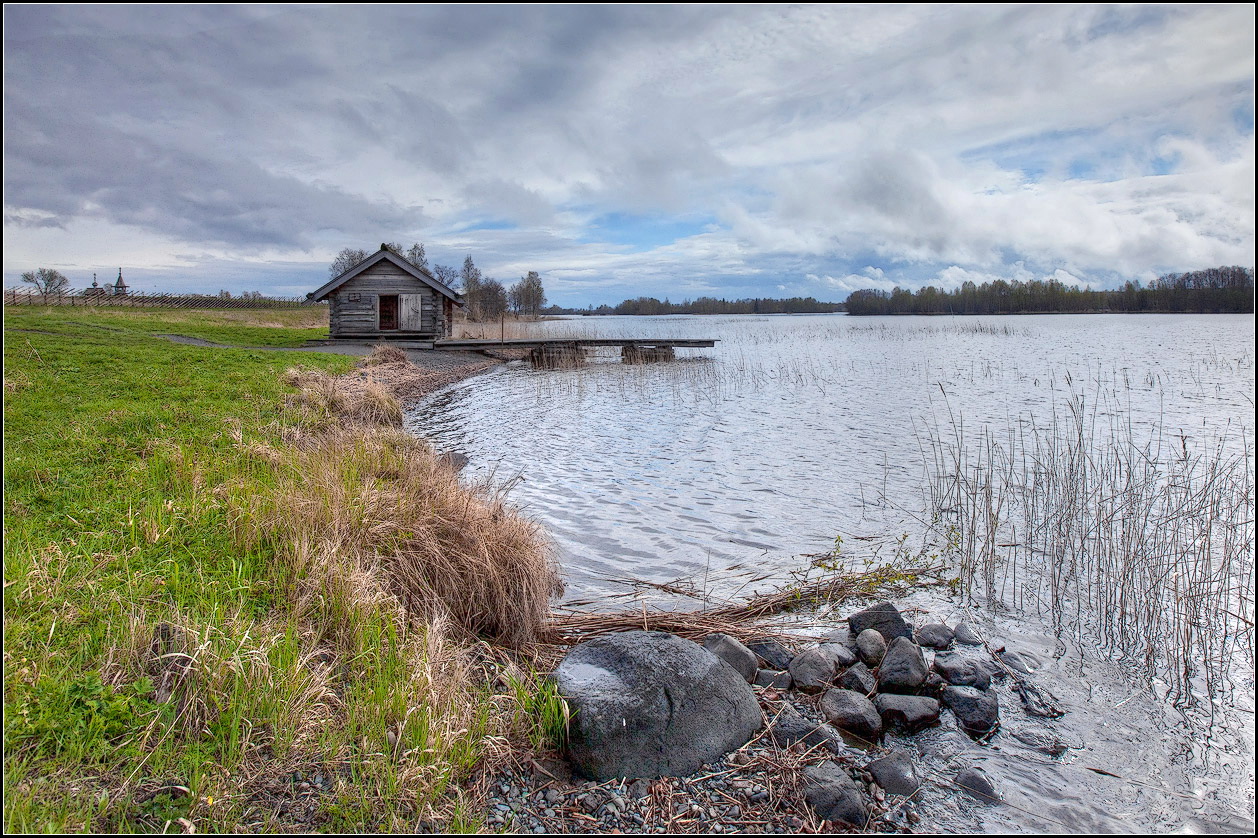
650,704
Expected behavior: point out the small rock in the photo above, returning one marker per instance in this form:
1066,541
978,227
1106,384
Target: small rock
966,635
454,460
790,726
858,678
774,679
840,653
833,795
1042,740
734,653
935,636
1023,662
908,712
553,796
639,789
812,671
884,617
903,668
976,782
853,712
962,671
773,653
977,712
871,646
896,772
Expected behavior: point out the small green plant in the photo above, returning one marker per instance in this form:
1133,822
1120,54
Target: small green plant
80,716
543,710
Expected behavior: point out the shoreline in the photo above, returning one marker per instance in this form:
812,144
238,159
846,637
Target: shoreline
536,790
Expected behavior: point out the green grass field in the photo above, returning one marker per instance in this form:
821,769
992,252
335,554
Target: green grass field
162,659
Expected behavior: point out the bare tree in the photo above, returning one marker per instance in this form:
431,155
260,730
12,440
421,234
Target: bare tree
527,296
446,275
345,260
471,279
416,256
492,299
47,281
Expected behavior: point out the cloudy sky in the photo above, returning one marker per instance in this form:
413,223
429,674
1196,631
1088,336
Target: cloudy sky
621,151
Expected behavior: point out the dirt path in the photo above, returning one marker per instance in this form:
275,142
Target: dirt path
433,360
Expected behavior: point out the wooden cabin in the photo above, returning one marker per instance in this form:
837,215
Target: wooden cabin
386,297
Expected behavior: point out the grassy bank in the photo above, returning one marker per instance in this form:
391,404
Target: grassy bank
229,588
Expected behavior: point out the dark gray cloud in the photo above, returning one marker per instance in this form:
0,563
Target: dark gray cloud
841,143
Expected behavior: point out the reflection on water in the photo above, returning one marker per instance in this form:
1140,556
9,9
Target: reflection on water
795,430
724,467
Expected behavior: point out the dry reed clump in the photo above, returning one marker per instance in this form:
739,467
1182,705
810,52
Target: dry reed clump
384,354
361,509
1144,545
323,401
381,503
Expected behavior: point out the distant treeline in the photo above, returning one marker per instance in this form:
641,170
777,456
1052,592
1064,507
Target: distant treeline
1215,290
708,305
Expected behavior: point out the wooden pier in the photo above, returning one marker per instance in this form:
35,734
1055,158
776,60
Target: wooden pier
560,352
543,352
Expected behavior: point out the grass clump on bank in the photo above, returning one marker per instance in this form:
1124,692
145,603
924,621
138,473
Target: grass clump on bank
229,604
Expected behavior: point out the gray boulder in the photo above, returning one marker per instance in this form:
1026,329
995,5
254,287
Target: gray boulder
895,772
935,636
853,712
773,653
906,712
812,670
903,668
961,671
977,712
871,646
649,704
773,678
857,678
834,795
730,650
790,726
884,617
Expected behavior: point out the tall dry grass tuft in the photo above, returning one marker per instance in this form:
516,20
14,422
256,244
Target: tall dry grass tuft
378,504
361,509
324,402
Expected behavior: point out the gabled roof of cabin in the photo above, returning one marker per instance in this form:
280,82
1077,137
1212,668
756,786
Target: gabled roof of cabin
382,254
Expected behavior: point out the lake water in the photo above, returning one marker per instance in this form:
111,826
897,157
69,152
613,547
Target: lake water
728,466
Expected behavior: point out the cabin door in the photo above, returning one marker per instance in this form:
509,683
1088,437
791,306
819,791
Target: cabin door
412,312
388,312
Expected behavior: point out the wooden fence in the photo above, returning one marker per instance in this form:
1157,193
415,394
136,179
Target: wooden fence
79,298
